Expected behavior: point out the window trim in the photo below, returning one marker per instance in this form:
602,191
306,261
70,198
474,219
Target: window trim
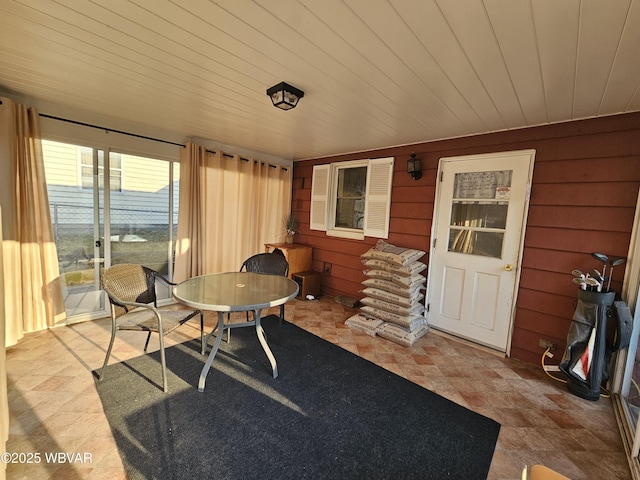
332,201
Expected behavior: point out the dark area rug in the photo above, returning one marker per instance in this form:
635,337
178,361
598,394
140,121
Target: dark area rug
330,414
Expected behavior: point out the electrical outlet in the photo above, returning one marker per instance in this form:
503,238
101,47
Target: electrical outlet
547,344
326,269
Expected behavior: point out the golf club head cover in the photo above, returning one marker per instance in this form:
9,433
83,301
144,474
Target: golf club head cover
625,324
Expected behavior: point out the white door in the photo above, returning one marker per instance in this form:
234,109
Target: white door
478,231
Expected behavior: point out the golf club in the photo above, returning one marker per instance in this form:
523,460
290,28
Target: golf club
592,282
601,257
577,273
614,263
581,282
596,274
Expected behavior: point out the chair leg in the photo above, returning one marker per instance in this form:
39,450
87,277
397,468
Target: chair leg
201,334
228,329
278,331
146,344
106,359
163,362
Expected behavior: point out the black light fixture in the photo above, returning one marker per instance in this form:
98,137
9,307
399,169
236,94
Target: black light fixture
284,96
413,167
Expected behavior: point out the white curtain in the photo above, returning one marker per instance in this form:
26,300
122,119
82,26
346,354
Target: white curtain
229,208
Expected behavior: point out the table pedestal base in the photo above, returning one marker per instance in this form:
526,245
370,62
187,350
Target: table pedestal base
221,327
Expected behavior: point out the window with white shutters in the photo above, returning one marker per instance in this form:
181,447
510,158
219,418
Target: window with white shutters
352,199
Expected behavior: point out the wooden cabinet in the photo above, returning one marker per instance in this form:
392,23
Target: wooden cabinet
297,254
308,283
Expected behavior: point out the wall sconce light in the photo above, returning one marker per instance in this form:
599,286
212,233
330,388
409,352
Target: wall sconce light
284,96
413,167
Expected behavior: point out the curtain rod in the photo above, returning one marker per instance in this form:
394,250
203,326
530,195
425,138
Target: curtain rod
75,122
228,155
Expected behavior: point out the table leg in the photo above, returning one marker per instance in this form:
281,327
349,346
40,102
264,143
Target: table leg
263,342
212,354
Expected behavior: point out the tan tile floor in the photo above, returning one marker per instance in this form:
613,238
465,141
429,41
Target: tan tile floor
54,405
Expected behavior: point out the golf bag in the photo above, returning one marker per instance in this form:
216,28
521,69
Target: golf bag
586,359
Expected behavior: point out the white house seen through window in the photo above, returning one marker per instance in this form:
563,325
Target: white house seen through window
86,169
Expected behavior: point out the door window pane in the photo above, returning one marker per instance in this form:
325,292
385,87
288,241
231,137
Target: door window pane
140,216
473,242
479,212
483,185
479,215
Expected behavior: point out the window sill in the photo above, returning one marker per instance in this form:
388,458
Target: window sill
352,234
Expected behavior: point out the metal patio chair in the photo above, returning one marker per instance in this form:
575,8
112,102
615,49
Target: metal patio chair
132,296
273,263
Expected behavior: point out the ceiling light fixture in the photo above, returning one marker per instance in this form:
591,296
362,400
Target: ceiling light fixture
284,96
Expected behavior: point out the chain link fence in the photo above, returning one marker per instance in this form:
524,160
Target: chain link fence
137,235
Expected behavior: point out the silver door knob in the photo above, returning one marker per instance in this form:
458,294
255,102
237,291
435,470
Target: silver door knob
508,267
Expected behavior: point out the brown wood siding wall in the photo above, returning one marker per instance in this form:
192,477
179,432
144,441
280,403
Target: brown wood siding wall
583,197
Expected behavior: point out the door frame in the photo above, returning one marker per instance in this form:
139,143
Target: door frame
101,233
625,359
434,225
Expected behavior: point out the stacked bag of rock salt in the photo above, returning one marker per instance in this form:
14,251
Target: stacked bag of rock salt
394,304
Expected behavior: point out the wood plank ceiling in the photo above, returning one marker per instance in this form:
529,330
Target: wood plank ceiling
375,73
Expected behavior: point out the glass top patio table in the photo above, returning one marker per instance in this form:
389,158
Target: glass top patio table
235,292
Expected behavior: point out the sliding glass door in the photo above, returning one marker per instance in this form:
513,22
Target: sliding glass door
627,398
626,372
107,208
143,213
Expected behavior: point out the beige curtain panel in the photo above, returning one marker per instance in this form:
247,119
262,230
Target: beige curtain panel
229,208
33,296
30,293
4,402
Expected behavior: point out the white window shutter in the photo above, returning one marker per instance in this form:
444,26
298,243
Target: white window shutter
319,197
378,204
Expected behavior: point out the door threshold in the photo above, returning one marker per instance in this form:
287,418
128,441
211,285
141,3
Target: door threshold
468,343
